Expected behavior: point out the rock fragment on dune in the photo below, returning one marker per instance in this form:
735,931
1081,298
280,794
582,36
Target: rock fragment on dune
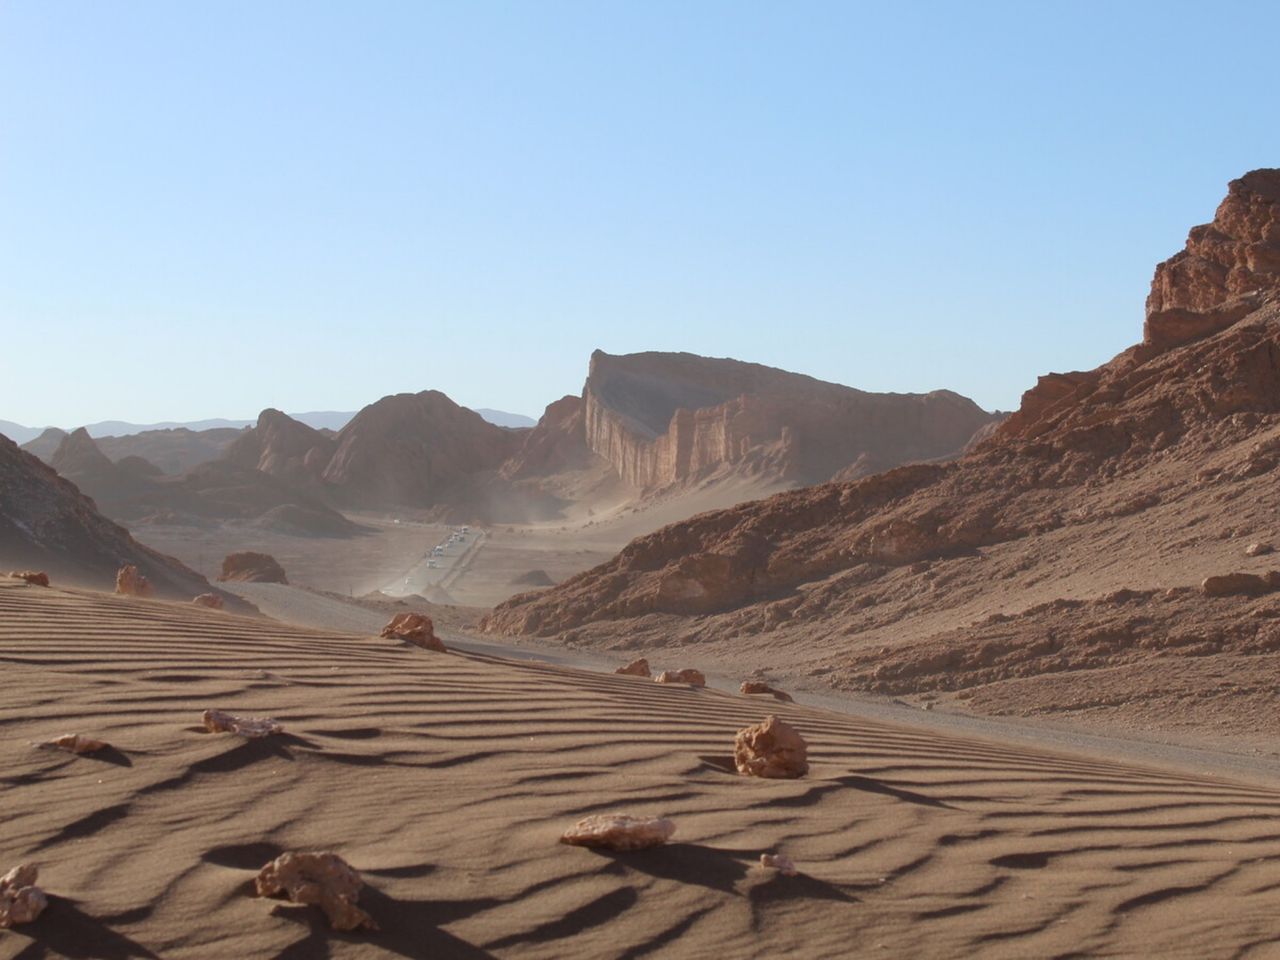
619,832
692,677
1258,549
37,578
415,628
771,749
131,583
21,901
210,600
780,862
218,721
75,743
323,879
636,668
759,686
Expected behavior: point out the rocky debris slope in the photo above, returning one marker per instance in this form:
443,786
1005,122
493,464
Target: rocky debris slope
1141,474
48,524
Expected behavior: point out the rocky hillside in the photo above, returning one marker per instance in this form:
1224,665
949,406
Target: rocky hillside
282,447
1116,485
417,450
47,524
671,418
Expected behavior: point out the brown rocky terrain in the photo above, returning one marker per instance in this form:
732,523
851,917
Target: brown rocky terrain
1103,491
47,524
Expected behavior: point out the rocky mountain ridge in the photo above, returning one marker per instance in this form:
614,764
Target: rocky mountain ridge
1103,482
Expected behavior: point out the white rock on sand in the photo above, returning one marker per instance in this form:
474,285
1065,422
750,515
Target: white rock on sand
619,832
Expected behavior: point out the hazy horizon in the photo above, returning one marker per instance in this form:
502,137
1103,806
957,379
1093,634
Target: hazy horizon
316,206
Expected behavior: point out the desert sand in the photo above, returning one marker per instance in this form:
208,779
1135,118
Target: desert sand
447,779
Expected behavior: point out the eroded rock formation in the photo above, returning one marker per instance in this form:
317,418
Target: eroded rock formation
210,600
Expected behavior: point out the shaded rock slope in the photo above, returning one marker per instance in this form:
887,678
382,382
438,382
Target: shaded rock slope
46,523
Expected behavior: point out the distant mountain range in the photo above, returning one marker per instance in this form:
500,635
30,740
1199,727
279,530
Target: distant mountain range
319,419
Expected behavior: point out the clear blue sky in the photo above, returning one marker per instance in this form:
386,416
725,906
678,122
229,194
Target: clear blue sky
209,208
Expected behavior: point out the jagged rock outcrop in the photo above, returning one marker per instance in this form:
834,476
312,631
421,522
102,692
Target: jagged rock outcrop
668,418
248,566
415,450
46,523
1225,269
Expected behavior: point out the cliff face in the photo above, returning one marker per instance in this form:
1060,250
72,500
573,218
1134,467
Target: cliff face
664,418
415,450
1154,442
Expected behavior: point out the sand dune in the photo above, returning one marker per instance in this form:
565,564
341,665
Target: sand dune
447,778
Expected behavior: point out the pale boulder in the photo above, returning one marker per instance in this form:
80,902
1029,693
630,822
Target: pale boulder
21,901
619,832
